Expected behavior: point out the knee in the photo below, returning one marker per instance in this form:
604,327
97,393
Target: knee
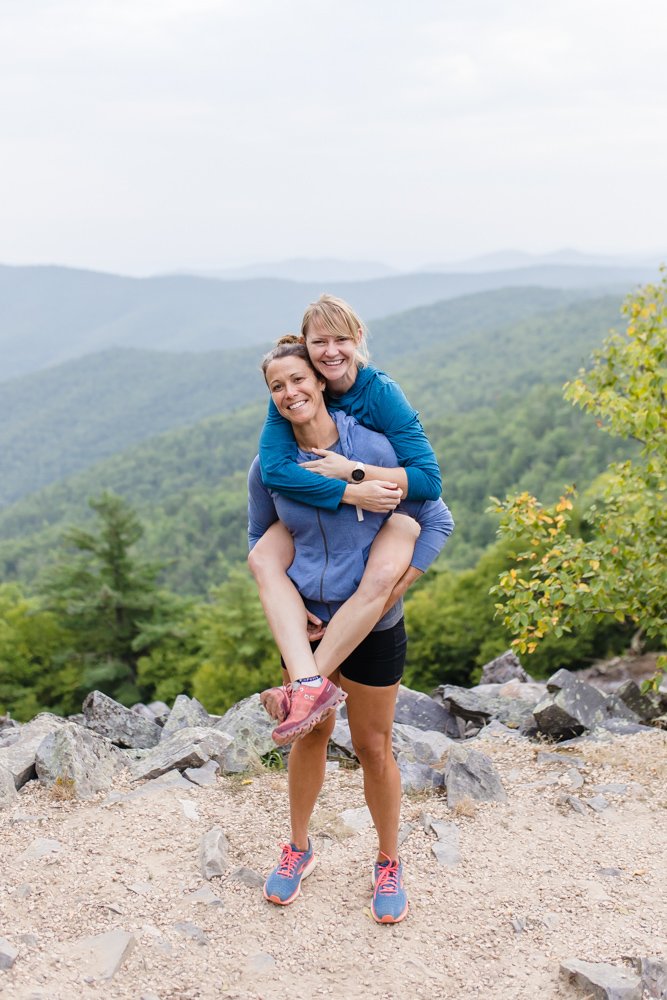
378,581
374,753
262,563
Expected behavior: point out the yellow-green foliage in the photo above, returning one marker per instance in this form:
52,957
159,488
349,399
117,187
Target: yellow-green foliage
563,580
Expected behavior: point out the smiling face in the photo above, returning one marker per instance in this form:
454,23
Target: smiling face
334,355
295,389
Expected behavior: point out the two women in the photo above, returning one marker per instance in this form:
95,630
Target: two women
330,550
335,339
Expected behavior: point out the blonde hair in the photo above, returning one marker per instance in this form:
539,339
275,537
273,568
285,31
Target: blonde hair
339,319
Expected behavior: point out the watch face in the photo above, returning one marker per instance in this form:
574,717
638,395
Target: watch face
358,475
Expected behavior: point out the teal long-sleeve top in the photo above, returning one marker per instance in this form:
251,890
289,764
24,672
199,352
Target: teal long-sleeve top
377,402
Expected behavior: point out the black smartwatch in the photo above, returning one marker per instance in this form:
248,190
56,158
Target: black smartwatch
358,472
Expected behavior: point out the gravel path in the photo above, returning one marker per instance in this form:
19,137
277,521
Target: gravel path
537,883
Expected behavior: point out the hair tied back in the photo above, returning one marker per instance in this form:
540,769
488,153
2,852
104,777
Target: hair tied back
290,338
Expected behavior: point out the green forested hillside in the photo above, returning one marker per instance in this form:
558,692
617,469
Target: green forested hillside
189,485
50,314
56,422
450,357
90,607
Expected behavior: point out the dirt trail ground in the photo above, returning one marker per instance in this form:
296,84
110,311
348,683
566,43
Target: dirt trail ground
537,883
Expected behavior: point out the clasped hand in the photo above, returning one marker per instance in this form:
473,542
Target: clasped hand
331,464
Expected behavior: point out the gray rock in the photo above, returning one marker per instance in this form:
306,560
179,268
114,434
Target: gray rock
19,758
470,774
340,742
496,730
8,954
447,847
597,803
504,668
653,972
204,776
119,724
546,757
8,793
413,708
185,748
404,832
140,709
186,713
206,896
561,679
77,759
570,710
261,962
574,777
602,981
160,711
617,709
247,876
425,746
171,780
621,727
249,729
611,788
190,930
356,820
417,777
213,851
645,706
574,803
480,705
465,704
102,955
39,848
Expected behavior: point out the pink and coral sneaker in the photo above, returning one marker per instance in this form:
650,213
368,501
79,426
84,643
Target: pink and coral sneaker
310,705
277,702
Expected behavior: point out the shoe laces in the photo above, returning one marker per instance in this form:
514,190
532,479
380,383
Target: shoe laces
289,860
387,880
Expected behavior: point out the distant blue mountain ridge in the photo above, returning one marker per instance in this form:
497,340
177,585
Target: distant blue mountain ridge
51,314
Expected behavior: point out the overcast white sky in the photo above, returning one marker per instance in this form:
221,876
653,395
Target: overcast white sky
145,135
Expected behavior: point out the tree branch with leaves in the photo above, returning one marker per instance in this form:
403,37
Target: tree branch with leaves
619,569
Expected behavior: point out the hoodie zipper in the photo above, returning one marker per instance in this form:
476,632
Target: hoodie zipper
326,555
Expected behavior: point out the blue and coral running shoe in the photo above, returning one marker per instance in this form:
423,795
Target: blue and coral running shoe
390,902
284,883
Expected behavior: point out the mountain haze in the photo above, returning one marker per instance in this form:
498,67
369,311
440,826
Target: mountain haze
56,422
52,314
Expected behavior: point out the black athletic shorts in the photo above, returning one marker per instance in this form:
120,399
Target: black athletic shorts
379,659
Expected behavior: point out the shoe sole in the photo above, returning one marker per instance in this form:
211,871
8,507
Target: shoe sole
388,919
285,902
313,720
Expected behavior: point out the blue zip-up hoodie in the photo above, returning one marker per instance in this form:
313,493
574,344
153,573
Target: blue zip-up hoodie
377,402
331,548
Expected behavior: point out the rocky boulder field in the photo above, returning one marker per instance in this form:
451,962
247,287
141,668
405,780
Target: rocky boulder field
135,842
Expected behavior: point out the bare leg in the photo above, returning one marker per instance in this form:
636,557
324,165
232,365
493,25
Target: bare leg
269,561
306,770
370,711
388,560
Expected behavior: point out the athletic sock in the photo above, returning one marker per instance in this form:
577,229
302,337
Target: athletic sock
312,682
